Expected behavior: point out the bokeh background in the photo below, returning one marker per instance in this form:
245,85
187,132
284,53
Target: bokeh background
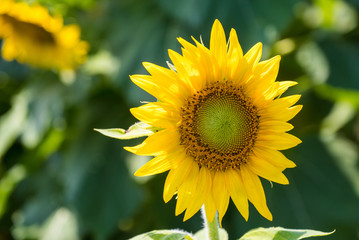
59,179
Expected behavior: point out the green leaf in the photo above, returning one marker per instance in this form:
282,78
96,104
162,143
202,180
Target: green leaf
137,130
279,233
164,235
338,94
202,234
7,184
188,11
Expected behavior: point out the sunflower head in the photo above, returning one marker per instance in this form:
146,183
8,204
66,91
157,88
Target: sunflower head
221,122
32,36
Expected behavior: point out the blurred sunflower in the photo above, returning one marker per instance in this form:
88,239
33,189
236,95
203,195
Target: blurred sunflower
30,35
220,122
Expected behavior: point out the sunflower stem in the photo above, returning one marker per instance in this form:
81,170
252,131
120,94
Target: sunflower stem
212,228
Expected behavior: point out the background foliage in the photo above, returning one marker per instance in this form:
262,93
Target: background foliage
59,179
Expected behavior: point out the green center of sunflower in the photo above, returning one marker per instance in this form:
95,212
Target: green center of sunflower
219,126
222,122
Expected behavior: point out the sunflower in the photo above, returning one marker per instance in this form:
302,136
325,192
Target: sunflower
30,35
220,124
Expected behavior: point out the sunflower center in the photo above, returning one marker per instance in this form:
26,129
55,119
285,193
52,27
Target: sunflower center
29,30
222,122
219,126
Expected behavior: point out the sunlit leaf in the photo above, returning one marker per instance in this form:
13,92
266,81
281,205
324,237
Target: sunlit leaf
202,234
279,233
137,130
164,235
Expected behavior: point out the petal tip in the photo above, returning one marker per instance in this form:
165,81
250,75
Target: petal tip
277,58
217,23
130,149
166,198
258,46
138,173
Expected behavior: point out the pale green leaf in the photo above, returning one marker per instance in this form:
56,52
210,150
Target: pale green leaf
202,234
313,61
164,235
12,123
102,63
137,130
61,225
279,233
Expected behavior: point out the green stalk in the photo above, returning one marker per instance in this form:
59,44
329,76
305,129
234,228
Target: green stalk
212,228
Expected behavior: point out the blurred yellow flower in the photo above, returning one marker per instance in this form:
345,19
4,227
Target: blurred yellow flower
221,125
30,35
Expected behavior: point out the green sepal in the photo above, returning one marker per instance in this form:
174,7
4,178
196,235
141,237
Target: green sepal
202,234
137,130
279,233
164,235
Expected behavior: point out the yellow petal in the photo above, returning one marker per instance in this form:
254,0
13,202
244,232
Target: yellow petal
201,192
266,170
186,71
176,176
237,191
283,86
268,70
254,55
208,62
274,126
283,115
167,79
157,114
186,192
279,105
218,43
274,157
154,166
192,51
278,141
210,208
191,61
236,66
148,83
235,50
255,192
220,194
161,163
262,82
163,141
270,93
